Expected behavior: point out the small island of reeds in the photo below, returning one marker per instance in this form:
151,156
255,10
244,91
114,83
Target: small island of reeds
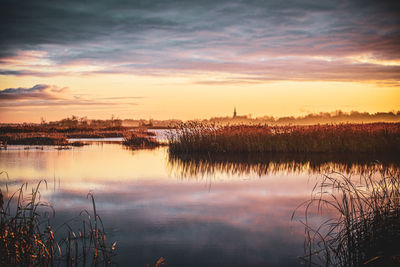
141,139
55,135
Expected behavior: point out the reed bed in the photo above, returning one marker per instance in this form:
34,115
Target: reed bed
36,140
342,138
29,238
31,128
141,139
363,225
54,135
33,139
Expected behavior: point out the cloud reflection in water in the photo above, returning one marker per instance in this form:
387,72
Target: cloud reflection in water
157,206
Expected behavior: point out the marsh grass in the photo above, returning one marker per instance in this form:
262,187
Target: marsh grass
28,236
28,128
141,139
33,139
38,139
341,138
54,135
364,224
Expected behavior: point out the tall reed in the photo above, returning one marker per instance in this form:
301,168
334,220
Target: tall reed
28,236
363,225
342,138
55,135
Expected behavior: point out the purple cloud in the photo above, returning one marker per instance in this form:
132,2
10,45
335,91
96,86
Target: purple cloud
39,91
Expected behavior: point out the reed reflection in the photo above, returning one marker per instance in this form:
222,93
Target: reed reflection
199,165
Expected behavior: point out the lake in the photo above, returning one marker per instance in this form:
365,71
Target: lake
193,211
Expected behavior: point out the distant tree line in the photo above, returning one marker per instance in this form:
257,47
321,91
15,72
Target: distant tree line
75,121
314,118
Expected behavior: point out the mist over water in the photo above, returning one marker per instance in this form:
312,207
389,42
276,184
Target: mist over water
193,211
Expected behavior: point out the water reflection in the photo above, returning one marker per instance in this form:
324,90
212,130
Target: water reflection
200,165
85,165
240,223
239,219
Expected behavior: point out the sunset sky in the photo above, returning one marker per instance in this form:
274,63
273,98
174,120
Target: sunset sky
196,59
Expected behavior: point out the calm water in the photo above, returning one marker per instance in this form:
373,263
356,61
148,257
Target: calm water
191,211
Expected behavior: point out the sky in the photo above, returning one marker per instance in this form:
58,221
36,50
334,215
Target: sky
196,59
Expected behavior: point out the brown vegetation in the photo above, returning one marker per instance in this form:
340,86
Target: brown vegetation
366,228
141,139
29,238
340,138
33,139
58,135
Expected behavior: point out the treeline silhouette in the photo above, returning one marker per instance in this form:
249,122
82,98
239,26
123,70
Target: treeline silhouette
312,118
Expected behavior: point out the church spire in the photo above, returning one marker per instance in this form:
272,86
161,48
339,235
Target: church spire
234,112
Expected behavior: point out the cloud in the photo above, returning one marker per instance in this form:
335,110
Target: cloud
104,29
39,91
195,220
81,102
6,72
155,37
44,95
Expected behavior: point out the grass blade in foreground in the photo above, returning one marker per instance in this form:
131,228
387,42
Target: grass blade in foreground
365,230
29,238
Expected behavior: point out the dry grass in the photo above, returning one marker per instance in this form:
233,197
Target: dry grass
32,128
141,139
341,138
33,139
54,135
36,140
364,228
29,238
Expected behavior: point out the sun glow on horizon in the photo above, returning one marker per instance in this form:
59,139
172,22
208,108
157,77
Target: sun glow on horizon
100,96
